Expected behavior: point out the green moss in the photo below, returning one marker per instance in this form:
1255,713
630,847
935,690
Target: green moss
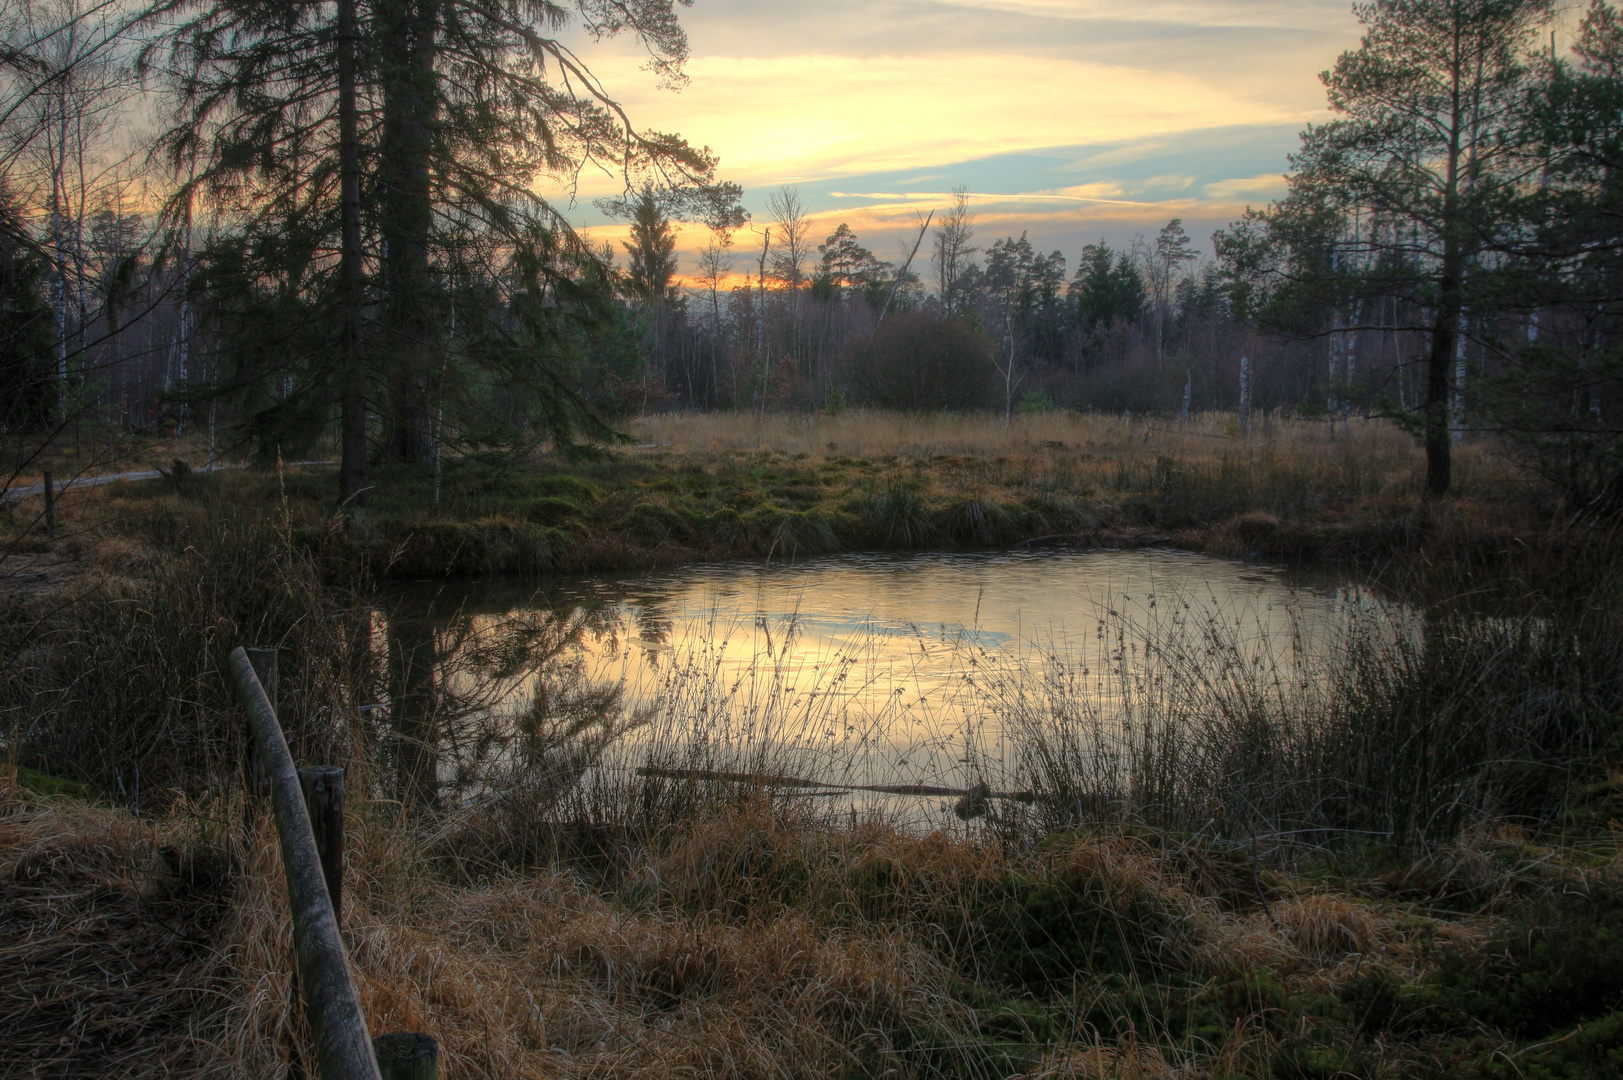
47,786
573,488
1559,960
551,510
797,494
1020,1020
789,533
1592,1051
1593,808
1044,932
1304,1058
657,524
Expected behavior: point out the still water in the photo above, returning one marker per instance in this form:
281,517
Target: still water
857,669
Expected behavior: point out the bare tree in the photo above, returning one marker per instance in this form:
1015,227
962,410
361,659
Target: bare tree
792,252
715,263
794,237
952,250
61,152
761,355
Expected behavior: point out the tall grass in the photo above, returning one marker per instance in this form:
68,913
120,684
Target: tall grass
117,680
1398,724
1404,728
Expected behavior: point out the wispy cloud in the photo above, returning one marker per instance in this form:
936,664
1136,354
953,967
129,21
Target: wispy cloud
1250,14
821,115
1261,186
1069,119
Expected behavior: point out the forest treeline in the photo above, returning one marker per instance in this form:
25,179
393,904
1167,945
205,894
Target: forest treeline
285,221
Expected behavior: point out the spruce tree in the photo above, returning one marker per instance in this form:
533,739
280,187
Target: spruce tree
461,111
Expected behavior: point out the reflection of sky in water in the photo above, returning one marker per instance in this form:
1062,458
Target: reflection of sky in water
878,667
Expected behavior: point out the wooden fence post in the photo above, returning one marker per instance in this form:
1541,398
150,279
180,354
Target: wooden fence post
50,505
406,1055
324,801
343,1045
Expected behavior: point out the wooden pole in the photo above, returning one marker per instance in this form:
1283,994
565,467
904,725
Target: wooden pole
343,1045
264,663
406,1055
1245,395
324,801
50,505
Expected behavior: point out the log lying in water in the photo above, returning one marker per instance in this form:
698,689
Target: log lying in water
972,802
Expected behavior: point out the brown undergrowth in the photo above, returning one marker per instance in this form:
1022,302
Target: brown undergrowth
754,943
109,941
631,931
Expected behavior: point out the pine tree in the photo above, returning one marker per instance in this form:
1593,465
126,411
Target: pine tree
1424,146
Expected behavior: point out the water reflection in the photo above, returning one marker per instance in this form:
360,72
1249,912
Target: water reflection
486,689
865,670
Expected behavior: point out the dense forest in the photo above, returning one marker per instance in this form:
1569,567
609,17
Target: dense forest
294,222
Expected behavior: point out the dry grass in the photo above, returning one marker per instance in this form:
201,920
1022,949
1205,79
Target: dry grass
722,486
532,975
1132,1061
742,939
749,945
107,941
1105,440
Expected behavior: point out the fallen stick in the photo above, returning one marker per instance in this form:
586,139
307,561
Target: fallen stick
763,780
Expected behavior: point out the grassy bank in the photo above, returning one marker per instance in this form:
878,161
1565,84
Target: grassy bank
779,487
1398,859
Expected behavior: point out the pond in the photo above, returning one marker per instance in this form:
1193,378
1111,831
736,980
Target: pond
926,672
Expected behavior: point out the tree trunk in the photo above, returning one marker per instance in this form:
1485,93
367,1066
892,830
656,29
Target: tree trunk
1439,446
407,78
352,472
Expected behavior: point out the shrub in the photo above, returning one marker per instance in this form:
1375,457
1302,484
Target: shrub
978,521
897,517
920,362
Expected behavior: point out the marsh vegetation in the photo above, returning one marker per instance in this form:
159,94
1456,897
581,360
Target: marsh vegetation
1359,830
1193,669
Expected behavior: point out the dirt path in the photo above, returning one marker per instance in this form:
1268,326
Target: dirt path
22,490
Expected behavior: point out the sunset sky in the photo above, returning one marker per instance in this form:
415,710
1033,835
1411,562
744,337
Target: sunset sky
1070,119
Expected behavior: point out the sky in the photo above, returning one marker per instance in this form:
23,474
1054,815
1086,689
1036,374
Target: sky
1070,120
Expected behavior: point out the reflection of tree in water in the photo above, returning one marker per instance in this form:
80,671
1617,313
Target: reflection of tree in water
483,698
654,623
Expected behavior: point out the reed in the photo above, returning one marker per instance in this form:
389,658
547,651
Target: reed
1404,729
